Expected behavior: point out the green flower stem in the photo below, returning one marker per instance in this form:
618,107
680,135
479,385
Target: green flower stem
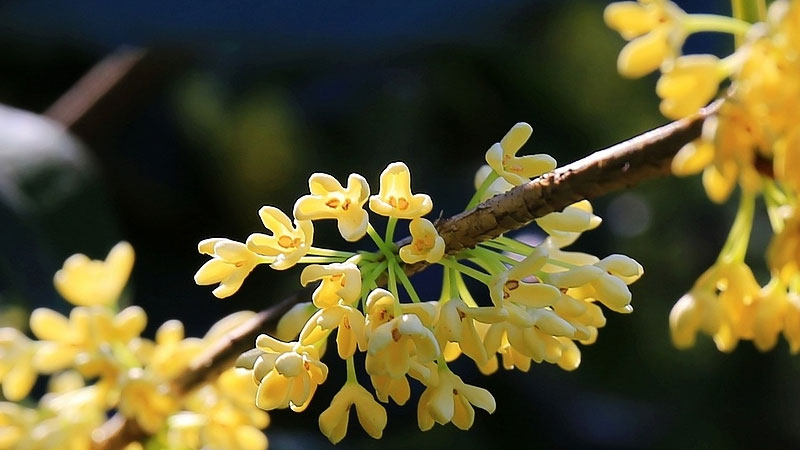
749,10
327,252
735,247
453,283
393,289
695,23
407,285
502,247
320,259
351,371
463,291
390,226
385,249
774,198
492,255
516,246
466,270
446,281
476,198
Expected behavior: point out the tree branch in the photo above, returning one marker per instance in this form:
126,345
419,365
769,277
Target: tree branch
618,167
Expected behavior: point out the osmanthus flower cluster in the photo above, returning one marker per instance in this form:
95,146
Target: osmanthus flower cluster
753,141
540,301
98,362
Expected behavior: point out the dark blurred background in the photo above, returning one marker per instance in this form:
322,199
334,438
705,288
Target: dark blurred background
234,104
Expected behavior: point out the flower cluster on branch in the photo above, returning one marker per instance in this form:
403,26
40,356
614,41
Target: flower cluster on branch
540,301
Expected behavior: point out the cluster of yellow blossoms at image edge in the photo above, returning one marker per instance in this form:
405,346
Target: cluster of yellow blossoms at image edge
753,141
541,300
97,362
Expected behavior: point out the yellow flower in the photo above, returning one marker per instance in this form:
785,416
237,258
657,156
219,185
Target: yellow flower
721,303
694,311
287,373
452,400
565,227
689,84
372,416
393,345
395,198
230,264
498,186
146,400
173,352
654,30
340,281
349,323
693,157
605,281
16,423
287,243
510,287
86,282
457,324
17,373
329,200
380,310
517,170
426,244
86,330
291,323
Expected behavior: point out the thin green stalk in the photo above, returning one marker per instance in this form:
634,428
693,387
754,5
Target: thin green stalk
327,252
485,252
387,252
393,289
320,259
390,226
407,285
713,23
517,246
476,198
466,270
735,247
463,291
351,371
453,283
444,296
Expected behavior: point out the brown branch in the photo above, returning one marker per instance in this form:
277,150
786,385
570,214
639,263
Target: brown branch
618,167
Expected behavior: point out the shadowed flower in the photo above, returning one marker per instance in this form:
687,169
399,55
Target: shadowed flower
426,244
371,415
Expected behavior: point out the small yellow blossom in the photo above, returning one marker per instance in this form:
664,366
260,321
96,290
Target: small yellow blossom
329,200
689,84
497,187
371,415
510,286
340,281
230,264
395,340
287,243
146,400
291,323
457,324
605,281
653,29
86,282
452,400
426,244
287,373
393,344
86,330
719,304
395,198
349,323
517,170
17,373
173,351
